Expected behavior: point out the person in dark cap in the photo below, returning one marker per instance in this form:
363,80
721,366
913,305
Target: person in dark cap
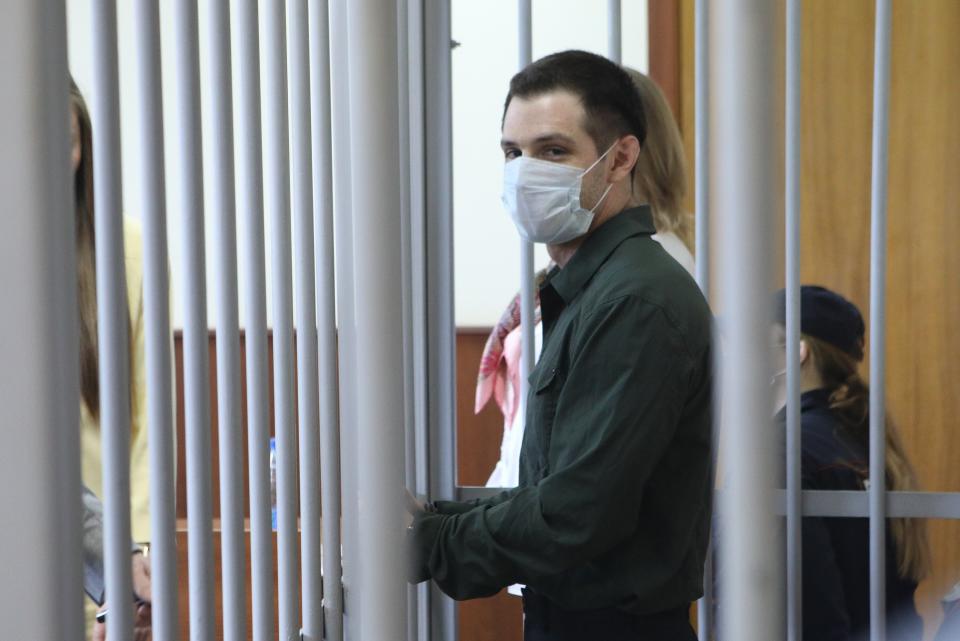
834,421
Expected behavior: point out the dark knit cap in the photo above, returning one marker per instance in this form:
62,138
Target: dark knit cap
826,315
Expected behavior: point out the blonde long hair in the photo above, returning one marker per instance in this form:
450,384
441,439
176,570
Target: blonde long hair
850,401
661,172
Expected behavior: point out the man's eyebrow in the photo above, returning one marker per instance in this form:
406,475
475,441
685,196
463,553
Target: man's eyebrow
550,137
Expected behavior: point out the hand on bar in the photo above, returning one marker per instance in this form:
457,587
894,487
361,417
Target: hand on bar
142,598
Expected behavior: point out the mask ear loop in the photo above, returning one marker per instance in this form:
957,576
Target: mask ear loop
597,161
606,191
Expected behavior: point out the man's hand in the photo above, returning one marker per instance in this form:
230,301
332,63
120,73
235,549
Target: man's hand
141,577
141,624
413,507
141,615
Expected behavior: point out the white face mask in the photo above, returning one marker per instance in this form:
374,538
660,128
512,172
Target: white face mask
543,199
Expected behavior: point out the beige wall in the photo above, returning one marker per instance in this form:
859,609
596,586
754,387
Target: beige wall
923,294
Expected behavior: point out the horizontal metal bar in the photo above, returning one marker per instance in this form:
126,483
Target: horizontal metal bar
829,503
845,503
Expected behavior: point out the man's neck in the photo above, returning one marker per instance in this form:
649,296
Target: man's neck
562,253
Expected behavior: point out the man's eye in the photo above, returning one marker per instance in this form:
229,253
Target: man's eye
554,152
510,154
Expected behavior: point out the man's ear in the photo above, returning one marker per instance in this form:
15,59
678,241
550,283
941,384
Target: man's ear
625,156
805,354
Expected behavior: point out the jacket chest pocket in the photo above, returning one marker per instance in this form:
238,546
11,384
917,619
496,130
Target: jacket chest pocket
545,385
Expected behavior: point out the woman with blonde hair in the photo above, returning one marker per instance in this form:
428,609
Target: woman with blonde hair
660,180
834,424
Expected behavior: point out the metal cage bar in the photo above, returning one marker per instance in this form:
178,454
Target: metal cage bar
39,397
249,167
308,411
341,140
195,330
794,560
277,204
878,325
219,132
112,314
156,310
527,270
741,47
615,31
324,278
372,48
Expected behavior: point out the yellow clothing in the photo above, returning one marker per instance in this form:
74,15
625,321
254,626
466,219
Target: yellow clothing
91,460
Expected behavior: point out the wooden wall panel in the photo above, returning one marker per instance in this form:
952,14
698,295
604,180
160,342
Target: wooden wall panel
923,294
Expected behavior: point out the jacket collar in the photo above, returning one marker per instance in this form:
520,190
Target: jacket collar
571,279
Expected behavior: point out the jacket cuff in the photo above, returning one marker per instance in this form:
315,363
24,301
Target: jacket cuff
421,538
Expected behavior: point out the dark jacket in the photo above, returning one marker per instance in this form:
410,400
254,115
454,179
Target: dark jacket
836,551
613,507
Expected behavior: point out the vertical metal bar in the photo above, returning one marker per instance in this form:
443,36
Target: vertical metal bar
195,334
326,318
219,131
346,308
39,396
277,201
792,236
441,350
418,279
702,141
408,271
372,33
878,325
742,48
250,205
156,309
527,325
614,31
112,314
298,61
705,606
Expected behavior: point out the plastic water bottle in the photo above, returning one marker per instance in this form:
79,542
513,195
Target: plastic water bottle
273,482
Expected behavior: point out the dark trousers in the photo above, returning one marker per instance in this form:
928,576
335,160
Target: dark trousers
544,621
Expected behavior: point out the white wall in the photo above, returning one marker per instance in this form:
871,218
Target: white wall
486,243
79,34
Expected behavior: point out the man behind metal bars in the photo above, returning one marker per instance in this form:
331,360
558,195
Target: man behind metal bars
608,527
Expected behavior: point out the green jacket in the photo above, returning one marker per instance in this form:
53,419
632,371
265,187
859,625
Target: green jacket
614,503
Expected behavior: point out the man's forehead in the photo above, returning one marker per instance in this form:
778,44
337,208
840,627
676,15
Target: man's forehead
540,115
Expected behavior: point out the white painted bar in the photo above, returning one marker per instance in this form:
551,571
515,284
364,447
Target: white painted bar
195,332
742,49
705,607
614,31
39,396
277,204
418,280
794,560
308,411
112,315
246,40
218,105
527,269
439,250
702,143
878,321
346,309
326,318
156,310
371,44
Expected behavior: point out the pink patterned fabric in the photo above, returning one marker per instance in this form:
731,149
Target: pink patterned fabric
499,375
